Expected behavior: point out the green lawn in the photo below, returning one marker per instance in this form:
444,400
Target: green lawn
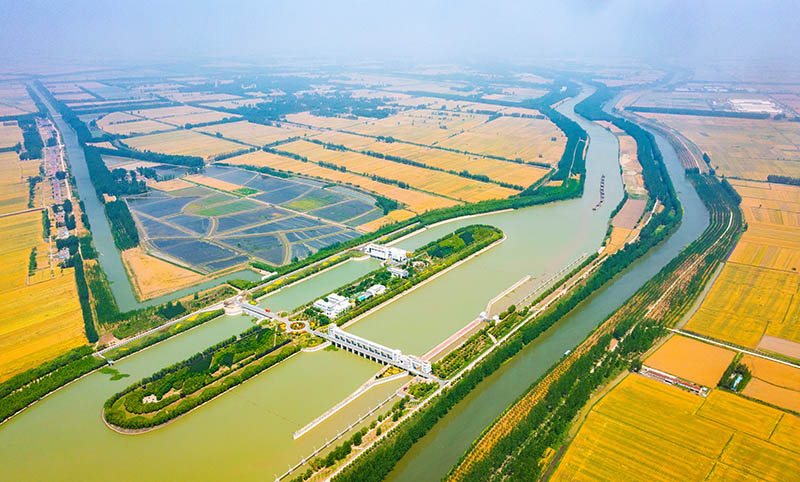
313,201
245,191
227,208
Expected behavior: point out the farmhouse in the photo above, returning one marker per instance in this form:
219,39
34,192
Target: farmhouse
386,253
333,306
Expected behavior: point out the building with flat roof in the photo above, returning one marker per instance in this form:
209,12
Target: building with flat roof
386,253
376,290
333,306
397,272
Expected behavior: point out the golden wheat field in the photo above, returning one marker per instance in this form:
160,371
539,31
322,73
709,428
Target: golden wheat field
165,112
153,277
647,430
184,143
197,118
743,301
745,148
772,239
13,184
502,171
415,201
773,382
436,182
141,126
742,414
760,458
170,185
212,182
785,434
423,126
531,140
10,134
393,217
617,239
308,119
254,134
40,320
606,449
691,360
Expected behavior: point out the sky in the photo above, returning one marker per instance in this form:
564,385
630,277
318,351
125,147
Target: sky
81,31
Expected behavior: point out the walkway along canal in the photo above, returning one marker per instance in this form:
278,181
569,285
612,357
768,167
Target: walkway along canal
247,433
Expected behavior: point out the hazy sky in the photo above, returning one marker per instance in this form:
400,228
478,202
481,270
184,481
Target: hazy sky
144,30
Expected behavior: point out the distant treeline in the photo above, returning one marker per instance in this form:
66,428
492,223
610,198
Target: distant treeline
174,159
791,181
699,112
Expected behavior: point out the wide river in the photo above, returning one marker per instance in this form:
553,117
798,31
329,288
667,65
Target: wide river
247,433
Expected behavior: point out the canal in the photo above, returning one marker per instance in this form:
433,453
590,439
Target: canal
247,432
109,256
433,456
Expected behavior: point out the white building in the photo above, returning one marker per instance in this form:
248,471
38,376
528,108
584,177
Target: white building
333,306
376,290
397,272
386,253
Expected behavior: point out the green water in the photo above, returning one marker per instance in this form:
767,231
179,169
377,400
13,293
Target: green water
247,433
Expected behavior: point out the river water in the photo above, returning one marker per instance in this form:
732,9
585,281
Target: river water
433,456
109,255
247,432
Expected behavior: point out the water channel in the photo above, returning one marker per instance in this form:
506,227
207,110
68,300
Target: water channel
247,432
109,255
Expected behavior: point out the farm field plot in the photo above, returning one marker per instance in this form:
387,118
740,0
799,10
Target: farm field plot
648,430
435,182
14,100
631,169
309,119
743,148
197,118
530,140
153,277
166,112
772,239
184,143
743,302
10,134
13,183
691,360
628,217
422,126
254,134
502,171
734,411
139,126
416,201
41,320
209,230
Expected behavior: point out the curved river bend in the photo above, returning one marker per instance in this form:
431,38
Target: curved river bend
247,432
